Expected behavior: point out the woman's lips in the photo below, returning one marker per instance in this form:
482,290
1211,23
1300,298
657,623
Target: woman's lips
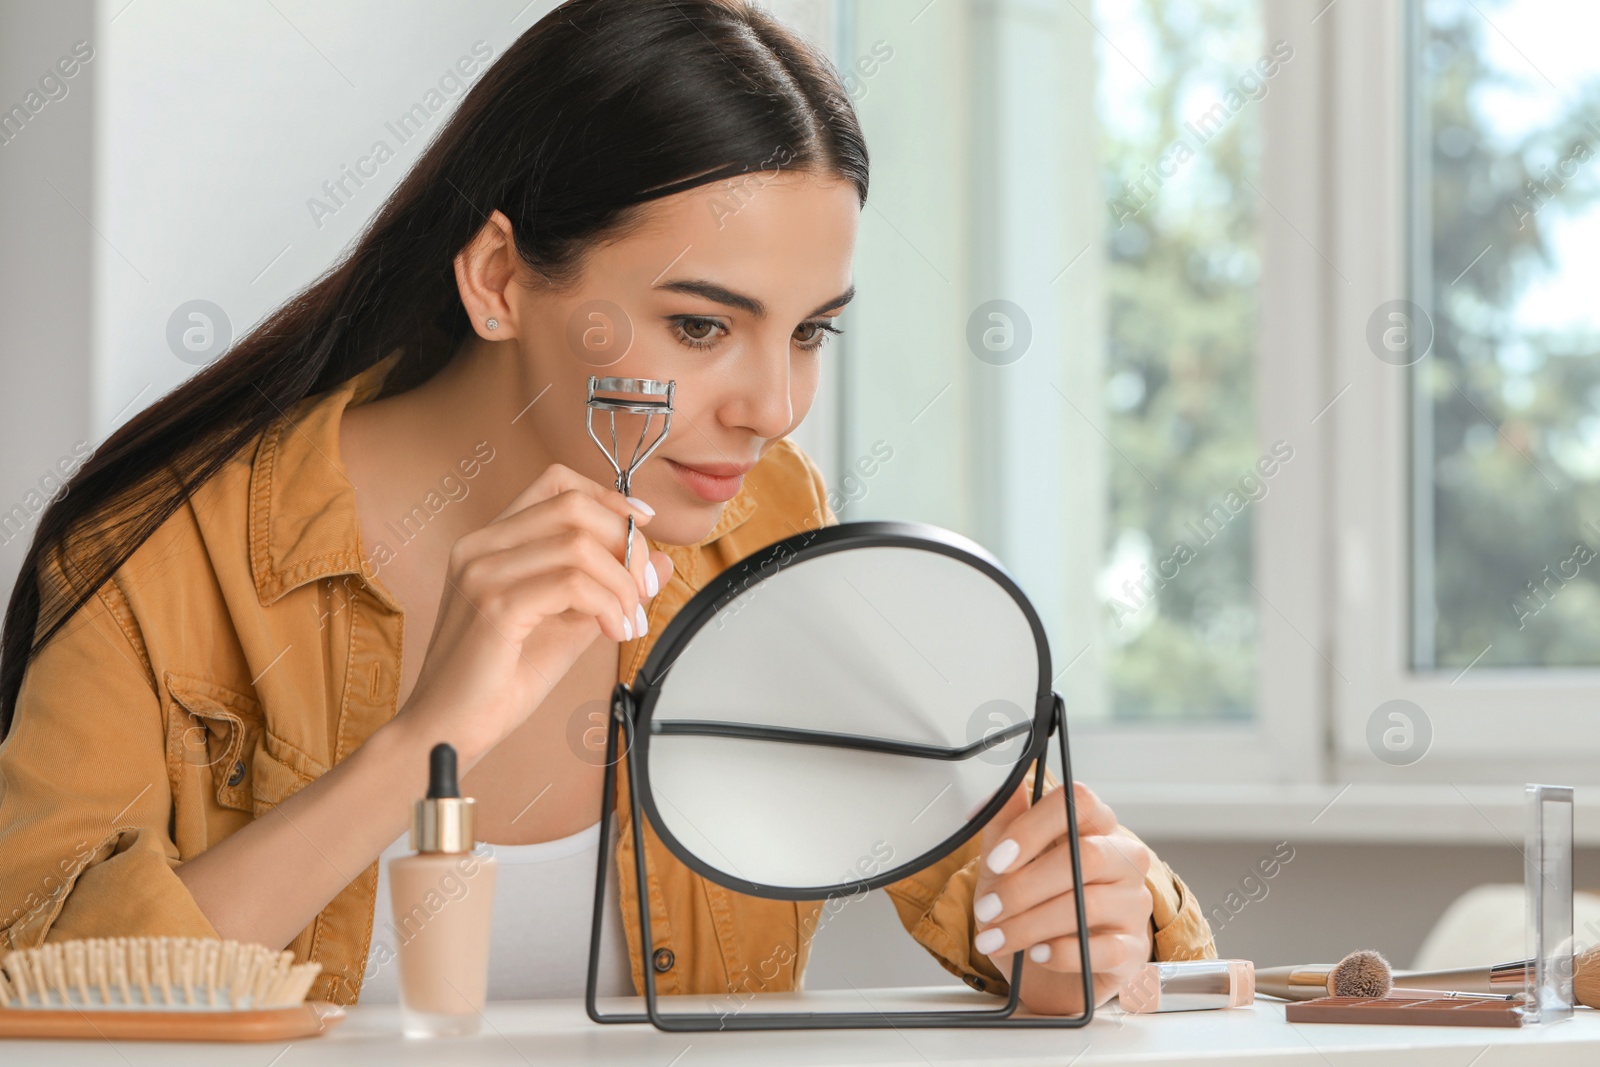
709,487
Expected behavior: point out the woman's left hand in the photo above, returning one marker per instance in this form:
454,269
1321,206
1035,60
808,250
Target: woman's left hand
1028,904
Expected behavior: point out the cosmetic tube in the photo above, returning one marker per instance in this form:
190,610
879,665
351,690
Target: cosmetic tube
443,899
1190,985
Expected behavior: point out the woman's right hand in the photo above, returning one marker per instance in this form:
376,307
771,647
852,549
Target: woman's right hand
524,596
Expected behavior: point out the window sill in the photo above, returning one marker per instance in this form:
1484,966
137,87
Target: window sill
1358,812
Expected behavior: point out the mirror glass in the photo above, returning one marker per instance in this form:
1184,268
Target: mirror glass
927,667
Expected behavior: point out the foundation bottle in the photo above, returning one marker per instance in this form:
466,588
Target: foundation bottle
443,899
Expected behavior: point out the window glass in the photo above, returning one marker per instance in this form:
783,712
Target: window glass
1504,334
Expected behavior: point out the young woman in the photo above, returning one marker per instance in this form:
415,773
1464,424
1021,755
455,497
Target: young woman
379,522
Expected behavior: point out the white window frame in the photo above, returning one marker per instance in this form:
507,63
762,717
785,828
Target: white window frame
1487,724
1010,53
1332,561
1285,742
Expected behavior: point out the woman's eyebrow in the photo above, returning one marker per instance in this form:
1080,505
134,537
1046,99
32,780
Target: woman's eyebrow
722,295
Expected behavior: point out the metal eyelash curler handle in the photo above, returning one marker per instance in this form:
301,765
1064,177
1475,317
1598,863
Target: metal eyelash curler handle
649,408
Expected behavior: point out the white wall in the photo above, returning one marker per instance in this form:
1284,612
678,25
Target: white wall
225,125
46,250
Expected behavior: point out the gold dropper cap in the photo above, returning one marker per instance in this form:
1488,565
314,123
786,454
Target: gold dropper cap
444,820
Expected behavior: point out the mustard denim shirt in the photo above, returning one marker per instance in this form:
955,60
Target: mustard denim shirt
247,647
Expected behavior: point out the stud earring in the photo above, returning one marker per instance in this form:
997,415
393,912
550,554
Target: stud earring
493,324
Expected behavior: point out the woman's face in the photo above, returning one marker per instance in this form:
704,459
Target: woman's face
729,290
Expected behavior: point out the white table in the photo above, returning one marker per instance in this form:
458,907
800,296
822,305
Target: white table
522,1033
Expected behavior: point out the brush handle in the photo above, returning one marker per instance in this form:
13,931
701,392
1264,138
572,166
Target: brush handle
1501,978
1509,978
1294,983
272,1024
1416,993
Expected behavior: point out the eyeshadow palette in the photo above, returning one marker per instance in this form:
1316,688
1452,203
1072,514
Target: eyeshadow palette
1406,1011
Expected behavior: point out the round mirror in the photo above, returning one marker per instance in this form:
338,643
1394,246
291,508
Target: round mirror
840,709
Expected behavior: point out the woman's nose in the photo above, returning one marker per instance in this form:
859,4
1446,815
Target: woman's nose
763,402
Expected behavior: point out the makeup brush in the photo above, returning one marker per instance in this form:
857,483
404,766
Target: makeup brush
1360,974
1509,978
1368,974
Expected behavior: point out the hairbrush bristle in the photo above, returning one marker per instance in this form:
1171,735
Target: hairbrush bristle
185,973
1361,974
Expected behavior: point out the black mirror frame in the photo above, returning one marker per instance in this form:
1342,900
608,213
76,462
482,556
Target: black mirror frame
630,717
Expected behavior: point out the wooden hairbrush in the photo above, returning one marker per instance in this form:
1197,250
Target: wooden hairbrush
160,989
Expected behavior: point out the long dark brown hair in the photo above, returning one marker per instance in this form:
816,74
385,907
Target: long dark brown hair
599,107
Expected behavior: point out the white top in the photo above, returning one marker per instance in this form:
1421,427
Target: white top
543,912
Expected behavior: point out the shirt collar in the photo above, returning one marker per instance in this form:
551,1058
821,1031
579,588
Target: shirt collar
303,519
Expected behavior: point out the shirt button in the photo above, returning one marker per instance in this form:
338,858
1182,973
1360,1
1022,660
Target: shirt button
663,959
237,775
977,983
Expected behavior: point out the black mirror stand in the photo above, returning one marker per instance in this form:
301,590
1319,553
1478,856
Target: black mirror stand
622,721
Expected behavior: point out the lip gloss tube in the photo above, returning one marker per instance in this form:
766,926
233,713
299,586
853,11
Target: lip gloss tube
1190,985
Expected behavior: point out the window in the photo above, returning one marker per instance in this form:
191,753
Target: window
1142,275
1177,99
1061,350
1506,411
1464,344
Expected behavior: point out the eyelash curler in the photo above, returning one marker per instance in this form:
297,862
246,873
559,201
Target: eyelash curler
646,387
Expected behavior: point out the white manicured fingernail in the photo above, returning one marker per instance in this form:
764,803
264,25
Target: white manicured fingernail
990,940
1004,855
627,630
1039,953
641,505
986,907
644,624
652,582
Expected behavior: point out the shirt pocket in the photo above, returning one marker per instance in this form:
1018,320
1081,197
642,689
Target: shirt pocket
216,732
274,780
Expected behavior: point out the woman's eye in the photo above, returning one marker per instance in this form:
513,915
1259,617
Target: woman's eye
693,331
813,335
697,332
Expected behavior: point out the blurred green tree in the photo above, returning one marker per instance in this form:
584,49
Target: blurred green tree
1181,280
1514,408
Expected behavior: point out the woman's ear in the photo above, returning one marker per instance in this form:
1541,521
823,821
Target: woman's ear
486,270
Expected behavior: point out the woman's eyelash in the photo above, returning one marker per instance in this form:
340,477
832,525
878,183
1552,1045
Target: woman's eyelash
680,321
824,329
695,342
